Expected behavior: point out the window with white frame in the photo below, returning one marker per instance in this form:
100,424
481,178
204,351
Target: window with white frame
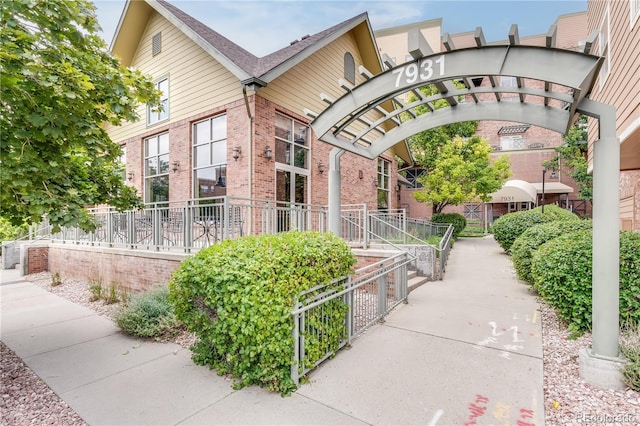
157,114
349,68
384,175
292,142
413,175
210,157
156,168
509,81
634,11
604,48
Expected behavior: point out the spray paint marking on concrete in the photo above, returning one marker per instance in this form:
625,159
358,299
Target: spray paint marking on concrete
499,410
435,418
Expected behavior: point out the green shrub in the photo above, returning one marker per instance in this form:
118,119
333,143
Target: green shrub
630,348
457,220
237,297
524,246
510,226
562,273
9,232
149,315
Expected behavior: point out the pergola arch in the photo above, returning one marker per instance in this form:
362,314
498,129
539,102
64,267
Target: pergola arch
562,80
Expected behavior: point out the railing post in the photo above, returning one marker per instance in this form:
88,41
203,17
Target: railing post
382,296
350,313
365,219
156,227
295,362
225,219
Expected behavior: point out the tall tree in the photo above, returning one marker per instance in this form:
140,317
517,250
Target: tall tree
572,155
462,172
59,85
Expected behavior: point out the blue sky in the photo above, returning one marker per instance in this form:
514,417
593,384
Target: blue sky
264,26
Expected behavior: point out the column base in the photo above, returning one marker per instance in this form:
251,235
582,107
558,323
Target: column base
601,372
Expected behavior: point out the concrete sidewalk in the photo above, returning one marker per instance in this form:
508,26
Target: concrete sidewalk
467,349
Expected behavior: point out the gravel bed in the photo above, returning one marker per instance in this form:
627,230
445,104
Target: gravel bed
568,400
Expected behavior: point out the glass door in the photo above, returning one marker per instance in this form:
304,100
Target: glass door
292,191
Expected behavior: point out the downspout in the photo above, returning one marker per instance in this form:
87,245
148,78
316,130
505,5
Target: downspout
250,140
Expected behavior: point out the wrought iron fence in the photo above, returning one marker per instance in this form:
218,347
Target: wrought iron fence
368,295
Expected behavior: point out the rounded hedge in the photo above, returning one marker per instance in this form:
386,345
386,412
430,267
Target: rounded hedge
456,219
562,271
510,226
237,297
526,244
149,315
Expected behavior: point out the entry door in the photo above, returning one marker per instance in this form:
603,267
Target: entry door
292,193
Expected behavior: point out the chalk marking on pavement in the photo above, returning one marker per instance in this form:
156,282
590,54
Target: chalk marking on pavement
535,317
435,418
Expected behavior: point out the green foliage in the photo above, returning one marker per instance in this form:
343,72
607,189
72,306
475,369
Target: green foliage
237,297
630,349
562,273
456,219
572,156
56,279
462,172
526,244
510,226
59,85
96,290
149,315
111,296
9,231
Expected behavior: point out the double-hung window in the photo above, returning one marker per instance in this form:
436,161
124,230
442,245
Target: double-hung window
156,168
210,157
155,114
384,174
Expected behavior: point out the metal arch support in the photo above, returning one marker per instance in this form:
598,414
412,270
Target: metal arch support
534,114
606,232
553,66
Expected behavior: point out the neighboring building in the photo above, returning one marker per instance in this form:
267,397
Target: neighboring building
618,26
232,123
528,147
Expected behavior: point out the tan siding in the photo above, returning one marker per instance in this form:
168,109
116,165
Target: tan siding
198,87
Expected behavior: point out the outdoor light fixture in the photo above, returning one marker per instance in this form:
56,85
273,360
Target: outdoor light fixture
175,165
237,150
360,174
129,176
267,152
320,167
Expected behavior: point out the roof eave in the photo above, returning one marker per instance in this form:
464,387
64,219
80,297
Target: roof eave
206,46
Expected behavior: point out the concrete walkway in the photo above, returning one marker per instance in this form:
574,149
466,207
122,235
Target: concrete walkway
467,349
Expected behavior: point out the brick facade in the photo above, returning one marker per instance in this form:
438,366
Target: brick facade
37,259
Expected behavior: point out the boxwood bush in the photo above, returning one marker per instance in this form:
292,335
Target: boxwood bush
237,297
456,219
562,274
510,226
524,246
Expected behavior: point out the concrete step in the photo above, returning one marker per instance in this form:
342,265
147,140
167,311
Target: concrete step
412,274
415,282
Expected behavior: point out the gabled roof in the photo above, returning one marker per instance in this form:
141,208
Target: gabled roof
240,62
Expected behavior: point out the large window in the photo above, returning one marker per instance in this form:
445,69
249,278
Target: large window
384,173
210,157
413,175
156,115
156,168
292,142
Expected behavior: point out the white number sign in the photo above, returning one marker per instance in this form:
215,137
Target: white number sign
423,70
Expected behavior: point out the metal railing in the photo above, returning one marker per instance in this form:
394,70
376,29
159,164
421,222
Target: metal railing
194,224
367,296
443,249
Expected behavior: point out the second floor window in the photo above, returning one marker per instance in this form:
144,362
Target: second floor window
155,115
210,157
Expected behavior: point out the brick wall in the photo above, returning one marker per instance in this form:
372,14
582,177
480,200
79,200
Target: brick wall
37,259
131,269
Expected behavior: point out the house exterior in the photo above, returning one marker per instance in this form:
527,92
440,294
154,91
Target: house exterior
233,124
618,26
528,147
